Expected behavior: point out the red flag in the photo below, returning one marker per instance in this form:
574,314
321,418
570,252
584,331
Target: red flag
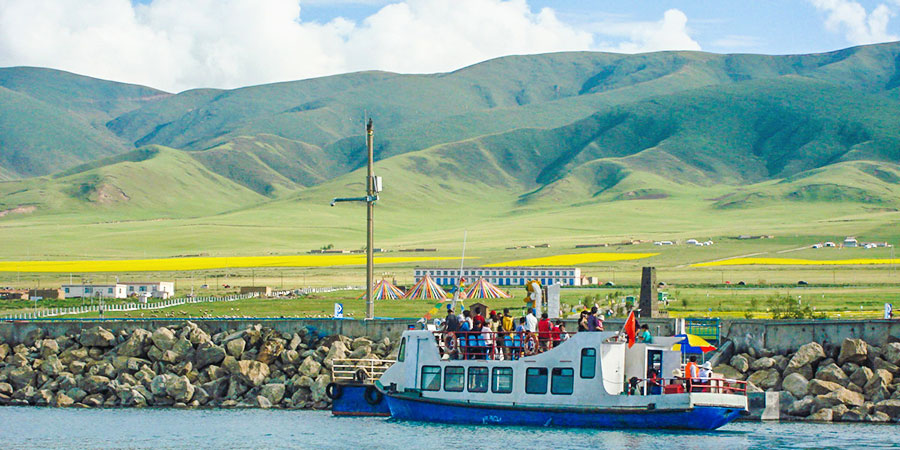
630,328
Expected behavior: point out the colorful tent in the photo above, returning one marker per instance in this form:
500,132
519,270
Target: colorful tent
385,290
426,288
484,289
692,344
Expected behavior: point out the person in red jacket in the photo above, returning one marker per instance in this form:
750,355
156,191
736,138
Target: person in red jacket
544,329
554,334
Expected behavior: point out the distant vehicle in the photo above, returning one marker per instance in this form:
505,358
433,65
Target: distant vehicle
741,283
802,283
817,245
830,244
609,283
692,242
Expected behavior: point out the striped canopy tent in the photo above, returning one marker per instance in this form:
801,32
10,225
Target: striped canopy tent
426,288
485,289
384,290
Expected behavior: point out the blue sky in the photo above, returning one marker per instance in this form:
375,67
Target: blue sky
182,44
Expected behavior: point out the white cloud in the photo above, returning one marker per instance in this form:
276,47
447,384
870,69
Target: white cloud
669,33
181,44
857,25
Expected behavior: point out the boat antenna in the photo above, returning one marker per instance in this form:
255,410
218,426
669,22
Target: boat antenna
462,262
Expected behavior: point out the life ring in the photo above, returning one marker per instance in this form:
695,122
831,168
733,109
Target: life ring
361,375
334,391
373,396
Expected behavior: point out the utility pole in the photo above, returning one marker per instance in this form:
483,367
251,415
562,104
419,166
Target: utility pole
373,187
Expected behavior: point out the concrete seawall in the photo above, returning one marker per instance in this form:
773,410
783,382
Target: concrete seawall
776,335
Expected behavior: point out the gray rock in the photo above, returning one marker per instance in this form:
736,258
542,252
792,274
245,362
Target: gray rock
270,351
76,394
318,388
854,415
236,347
761,364
235,389
360,342
803,360
822,415
290,357
802,407
862,376
842,396
728,372
878,416
4,351
33,336
137,344
295,342
765,379
77,367
309,367
6,389
217,388
169,356
796,384
853,350
62,400
97,337
819,387
51,366
159,383
95,384
337,351
163,338
879,363
891,353
832,373
208,353
891,407
195,334
48,347
20,376
273,391
180,389
93,400
253,373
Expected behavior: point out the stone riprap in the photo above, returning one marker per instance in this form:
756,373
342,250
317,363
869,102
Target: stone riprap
179,366
851,382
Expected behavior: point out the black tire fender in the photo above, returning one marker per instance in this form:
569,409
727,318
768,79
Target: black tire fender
373,396
334,391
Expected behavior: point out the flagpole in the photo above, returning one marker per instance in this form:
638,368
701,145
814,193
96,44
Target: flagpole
462,263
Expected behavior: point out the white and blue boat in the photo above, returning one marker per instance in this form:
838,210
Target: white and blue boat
579,383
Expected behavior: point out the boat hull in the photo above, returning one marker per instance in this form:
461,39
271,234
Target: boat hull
352,402
695,418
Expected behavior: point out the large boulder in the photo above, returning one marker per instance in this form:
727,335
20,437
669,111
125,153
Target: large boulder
803,360
235,347
337,351
48,347
309,367
195,334
891,407
273,391
137,344
95,384
163,338
876,388
862,376
168,356
796,384
97,337
20,377
180,389
208,353
62,400
841,396
802,407
878,363
253,373
728,372
822,415
318,388
765,379
891,353
832,373
819,387
853,350
270,351
4,351
762,364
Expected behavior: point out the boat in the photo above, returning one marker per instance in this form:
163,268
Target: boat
353,391
591,380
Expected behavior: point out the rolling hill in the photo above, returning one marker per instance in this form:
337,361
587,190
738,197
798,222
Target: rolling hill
519,142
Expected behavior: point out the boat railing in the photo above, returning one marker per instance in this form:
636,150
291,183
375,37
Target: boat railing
360,370
505,345
680,385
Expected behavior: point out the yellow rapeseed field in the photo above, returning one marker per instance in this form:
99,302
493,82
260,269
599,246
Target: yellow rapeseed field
574,259
795,262
201,263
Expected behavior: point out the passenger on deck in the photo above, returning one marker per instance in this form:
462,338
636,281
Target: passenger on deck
494,321
531,321
478,316
518,337
600,319
554,334
544,329
582,321
645,336
488,341
507,326
592,322
692,371
563,334
467,316
451,323
654,387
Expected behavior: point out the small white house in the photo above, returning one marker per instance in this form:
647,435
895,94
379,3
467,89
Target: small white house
692,242
851,242
94,290
155,289
830,244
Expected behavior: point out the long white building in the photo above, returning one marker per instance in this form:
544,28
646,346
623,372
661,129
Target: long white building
504,276
155,289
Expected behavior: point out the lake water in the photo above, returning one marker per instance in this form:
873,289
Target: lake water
51,428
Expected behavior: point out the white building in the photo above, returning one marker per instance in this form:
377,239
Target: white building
505,276
851,242
94,290
156,289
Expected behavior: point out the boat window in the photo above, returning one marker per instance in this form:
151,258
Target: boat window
401,355
562,380
478,379
502,380
431,378
454,378
588,362
536,380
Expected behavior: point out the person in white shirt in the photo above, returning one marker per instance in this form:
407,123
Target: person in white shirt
705,372
531,321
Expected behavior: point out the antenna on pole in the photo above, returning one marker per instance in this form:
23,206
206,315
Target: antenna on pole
462,263
373,187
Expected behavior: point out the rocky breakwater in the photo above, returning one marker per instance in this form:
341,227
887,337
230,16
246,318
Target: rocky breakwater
851,382
180,366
